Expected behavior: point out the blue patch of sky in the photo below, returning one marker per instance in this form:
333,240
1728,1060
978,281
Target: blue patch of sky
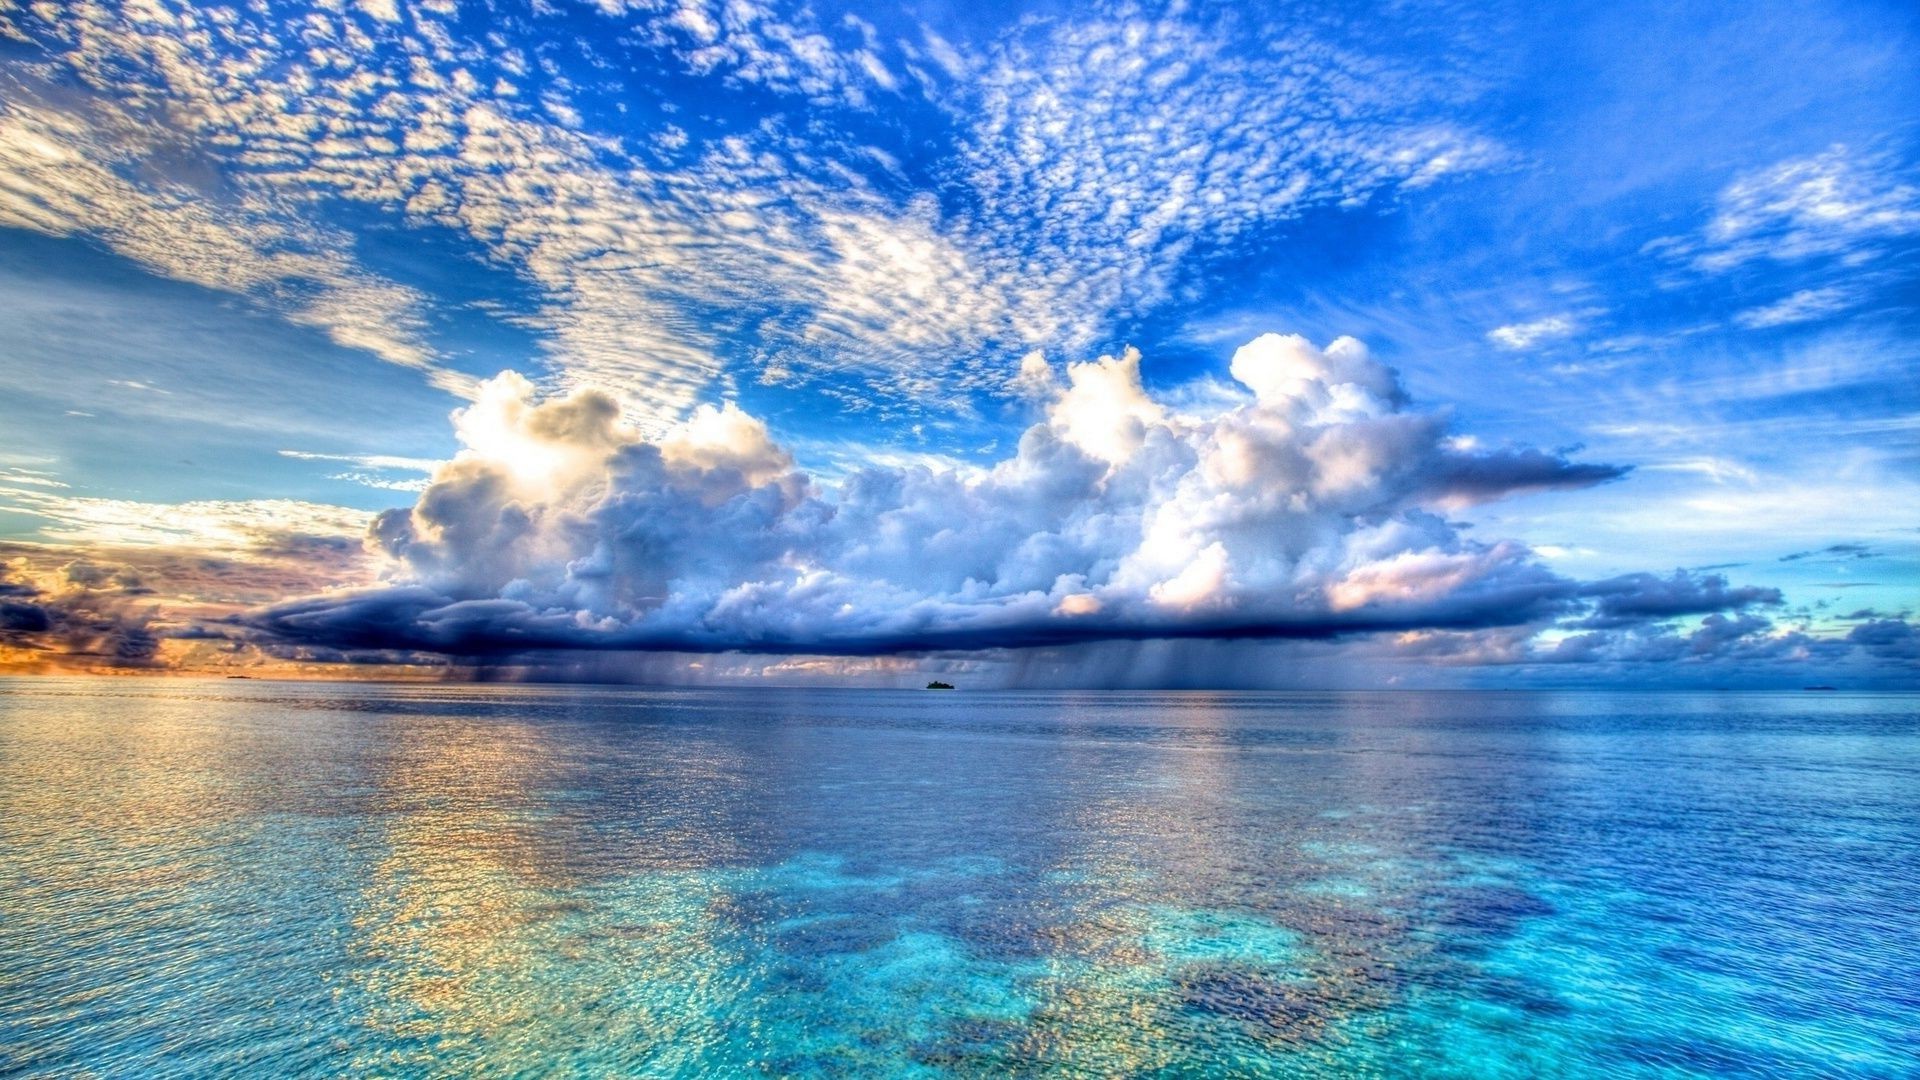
476,317
128,386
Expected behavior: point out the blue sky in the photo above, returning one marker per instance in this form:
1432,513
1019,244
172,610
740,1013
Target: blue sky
252,257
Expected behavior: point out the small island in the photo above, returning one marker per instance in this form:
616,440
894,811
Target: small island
938,685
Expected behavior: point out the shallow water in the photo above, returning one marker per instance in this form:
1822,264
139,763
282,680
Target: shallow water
260,878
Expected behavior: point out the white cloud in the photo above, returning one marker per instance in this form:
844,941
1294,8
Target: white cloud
1837,203
1718,470
1528,334
1106,150
767,44
755,247
61,173
1103,410
1297,509
368,461
221,526
947,58
382,483
1034,380
35,477
1803,306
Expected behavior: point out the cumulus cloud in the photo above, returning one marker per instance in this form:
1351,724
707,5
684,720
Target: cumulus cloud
1888,639
1304,508
114,584
1716,637
1721,645
1128,535
1689,626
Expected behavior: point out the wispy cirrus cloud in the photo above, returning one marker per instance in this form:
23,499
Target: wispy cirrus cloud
367,461
1805,305
1525,335
39,478
225,526
374,470
1838,203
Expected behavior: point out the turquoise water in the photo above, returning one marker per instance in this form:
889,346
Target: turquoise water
253,878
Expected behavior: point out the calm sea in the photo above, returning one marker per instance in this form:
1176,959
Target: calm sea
272,879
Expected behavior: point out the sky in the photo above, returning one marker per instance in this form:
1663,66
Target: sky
1092,345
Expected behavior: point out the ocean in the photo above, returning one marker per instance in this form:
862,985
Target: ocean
251,878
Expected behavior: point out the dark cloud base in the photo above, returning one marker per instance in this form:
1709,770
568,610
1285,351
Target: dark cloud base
412,619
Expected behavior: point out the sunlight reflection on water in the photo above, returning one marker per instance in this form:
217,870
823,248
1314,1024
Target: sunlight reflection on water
208,878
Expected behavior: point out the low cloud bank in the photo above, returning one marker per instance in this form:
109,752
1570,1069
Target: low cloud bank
89,615
1311,508
79,609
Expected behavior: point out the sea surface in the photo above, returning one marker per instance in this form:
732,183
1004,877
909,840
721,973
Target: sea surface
234,878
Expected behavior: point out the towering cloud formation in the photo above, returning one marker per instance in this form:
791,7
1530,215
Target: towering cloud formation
1306,509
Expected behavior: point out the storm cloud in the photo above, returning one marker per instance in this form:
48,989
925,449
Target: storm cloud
156,608
1632,599
91,619
1311,506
